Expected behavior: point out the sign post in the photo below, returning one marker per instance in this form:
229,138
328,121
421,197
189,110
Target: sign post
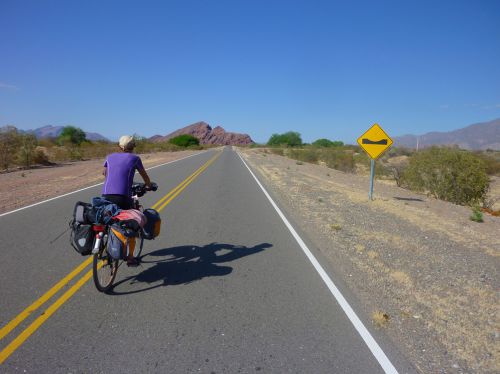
374,142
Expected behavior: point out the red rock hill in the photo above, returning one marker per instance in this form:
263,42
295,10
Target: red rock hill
204,132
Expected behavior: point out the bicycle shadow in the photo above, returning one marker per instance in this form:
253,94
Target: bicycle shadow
186,264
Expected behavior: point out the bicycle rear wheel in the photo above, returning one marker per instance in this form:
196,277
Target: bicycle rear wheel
104,270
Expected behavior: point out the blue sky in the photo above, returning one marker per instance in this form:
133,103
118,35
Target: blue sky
322,68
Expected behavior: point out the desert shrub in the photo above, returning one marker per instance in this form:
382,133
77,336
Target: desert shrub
185,140
381,168
396,167
399,151
58,154
476,215
27,145
290,139
449,174
491,161
305,155
40,157
278,151
324,143
98,149
9,143
339,159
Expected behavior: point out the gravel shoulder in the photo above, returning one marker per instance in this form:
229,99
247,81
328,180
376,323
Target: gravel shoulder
24,187
422,262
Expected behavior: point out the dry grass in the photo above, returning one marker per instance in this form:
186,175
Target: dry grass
380,319
401,277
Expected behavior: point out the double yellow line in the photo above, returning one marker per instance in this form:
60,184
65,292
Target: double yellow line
21,338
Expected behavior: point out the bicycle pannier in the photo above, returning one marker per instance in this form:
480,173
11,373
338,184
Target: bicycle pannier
153,224
82,213
119,241
82,238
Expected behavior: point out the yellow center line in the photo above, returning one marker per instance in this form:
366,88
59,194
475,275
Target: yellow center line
185,185
7,351
188,179
38,303
19,340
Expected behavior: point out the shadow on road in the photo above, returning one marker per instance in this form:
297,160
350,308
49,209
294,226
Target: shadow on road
186,264
407,199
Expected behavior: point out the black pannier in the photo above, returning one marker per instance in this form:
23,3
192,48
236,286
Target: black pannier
83,213
152,227
82,238
81,233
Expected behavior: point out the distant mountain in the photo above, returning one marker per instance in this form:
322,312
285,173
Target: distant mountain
48,131
95,137
53,132
485,135
204,132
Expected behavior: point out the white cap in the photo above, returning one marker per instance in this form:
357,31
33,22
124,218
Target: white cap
126,142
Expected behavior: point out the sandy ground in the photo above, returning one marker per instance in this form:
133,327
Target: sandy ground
424,272
25,187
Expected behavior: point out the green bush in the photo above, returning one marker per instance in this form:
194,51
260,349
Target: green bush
476,215
72,135
339,159
290,139
448,174
185,140
324,143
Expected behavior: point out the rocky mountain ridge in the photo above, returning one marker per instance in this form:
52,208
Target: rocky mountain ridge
484,135
207,135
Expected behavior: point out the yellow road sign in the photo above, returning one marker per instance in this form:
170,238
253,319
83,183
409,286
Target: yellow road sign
375,141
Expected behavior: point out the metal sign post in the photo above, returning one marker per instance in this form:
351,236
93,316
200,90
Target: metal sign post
372,175
374,142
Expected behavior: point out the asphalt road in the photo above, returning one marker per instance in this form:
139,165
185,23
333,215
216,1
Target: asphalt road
226,288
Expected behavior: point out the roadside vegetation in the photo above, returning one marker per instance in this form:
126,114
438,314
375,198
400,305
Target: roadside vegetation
24,150
185,140
446,173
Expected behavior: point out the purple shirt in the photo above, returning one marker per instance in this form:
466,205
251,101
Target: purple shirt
120,172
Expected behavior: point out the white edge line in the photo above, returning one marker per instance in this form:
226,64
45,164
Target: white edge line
95,185
379,354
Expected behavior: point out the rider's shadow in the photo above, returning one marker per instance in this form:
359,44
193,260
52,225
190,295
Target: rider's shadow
186,264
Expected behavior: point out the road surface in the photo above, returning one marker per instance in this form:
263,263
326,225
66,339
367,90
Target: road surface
225,288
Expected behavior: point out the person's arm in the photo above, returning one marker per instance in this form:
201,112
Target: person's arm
145,176
105,168
142,172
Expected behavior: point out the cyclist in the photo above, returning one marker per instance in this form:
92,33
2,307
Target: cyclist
119,170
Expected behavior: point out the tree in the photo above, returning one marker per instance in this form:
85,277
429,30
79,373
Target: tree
327,143
72,135
290,139
185,140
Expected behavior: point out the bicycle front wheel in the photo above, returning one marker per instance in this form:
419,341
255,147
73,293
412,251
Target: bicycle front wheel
104,269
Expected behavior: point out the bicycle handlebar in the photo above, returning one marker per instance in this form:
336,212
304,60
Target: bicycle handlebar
140,189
